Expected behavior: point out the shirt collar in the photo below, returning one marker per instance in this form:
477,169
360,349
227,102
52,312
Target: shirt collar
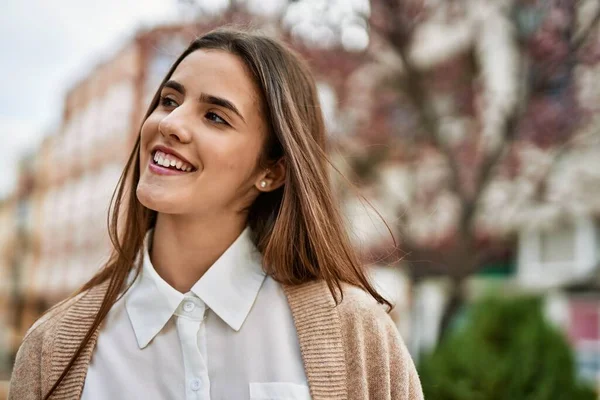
229,288
231,284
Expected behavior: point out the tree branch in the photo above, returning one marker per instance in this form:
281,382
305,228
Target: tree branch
489,163
484,177
399,39
541,184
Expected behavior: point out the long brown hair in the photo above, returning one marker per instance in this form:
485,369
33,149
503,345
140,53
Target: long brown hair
298,227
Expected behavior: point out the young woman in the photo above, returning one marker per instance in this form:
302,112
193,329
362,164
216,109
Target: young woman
232,276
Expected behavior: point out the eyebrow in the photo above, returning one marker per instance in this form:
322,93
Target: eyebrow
206,98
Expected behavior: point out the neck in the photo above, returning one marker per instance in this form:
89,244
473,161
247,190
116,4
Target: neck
183,249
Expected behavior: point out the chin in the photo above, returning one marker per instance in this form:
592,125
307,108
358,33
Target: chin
155,198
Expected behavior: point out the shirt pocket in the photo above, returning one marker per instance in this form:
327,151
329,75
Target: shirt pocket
278,391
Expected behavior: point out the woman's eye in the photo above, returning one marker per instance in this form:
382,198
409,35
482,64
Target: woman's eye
167,102
215,118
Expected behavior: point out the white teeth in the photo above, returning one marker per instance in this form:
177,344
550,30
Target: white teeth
171,161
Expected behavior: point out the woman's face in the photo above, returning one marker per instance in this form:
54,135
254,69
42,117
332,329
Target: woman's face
209,129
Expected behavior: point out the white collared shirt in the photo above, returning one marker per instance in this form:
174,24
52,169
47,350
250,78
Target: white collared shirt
231,336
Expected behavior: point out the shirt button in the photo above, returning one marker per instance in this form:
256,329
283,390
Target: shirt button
188,306
195,384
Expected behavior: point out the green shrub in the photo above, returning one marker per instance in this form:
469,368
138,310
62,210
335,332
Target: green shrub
504,350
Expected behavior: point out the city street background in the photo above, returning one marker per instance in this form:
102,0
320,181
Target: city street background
468,128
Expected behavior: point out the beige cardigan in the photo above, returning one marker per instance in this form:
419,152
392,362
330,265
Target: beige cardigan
352,351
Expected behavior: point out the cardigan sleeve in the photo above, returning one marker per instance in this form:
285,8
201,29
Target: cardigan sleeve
26,381
26,378
408,385
379,365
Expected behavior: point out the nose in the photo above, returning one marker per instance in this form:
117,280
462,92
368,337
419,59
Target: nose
174,127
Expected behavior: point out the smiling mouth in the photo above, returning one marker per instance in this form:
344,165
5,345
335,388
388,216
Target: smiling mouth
171,162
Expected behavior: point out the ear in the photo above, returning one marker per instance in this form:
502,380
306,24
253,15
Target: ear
272,178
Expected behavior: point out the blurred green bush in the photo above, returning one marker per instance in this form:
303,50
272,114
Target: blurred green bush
503,350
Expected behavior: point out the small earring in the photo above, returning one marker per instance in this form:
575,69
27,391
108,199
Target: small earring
263,184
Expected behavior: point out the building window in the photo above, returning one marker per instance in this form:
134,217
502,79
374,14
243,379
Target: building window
564,254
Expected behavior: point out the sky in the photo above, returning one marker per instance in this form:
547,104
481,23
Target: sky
46,47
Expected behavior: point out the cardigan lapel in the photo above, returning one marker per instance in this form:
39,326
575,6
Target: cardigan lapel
70,332
318,328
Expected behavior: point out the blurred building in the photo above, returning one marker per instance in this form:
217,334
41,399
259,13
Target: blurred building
15,232
7,283
564,260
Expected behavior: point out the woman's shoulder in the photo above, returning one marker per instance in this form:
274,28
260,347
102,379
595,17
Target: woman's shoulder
48,320
355,309
366,325
358,304
362,317
30,364
371,345
77,303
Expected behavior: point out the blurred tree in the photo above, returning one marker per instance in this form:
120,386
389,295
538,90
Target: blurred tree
488,83
481,102
476,103
504,350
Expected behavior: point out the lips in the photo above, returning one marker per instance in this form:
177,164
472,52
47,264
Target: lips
168,162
